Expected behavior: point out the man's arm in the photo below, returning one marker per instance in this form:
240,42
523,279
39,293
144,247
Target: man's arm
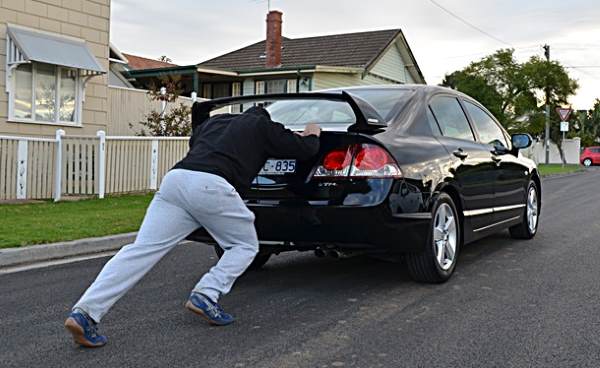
284,143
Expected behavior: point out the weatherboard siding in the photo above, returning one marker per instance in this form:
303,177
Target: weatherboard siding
391,66
335,80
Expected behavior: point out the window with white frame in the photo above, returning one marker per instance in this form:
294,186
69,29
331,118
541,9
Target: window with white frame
46,93
46,75
259,88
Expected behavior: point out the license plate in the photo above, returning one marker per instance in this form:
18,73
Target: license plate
278,167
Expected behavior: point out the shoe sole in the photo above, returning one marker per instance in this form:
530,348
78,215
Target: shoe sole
78,334
190,306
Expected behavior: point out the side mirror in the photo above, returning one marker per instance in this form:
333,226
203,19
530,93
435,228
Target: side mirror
521,141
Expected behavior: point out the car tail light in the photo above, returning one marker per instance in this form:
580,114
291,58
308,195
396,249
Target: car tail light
358,161
335,164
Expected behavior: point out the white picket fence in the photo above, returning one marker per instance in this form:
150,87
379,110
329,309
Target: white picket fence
43,168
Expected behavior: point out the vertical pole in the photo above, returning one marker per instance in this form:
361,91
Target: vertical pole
195,82
22,169
194,96
547,132
154,166
58,165
101,163
563,147
163,107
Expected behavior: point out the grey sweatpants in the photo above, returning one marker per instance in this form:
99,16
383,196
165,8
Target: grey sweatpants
185,201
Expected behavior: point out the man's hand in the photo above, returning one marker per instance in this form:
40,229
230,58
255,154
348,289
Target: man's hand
311,129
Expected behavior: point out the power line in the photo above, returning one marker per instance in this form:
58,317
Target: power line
462,20
485,53
583,67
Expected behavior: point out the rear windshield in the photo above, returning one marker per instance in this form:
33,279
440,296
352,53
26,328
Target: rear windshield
297,113
387,102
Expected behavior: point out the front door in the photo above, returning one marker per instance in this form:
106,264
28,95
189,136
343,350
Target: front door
512,177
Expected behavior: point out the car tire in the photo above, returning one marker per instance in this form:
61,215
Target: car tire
531,214
259,261
587,162
436,263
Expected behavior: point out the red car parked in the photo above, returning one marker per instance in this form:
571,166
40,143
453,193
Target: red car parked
590,156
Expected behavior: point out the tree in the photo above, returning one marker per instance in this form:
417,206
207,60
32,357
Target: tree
165,58
589,125
514,92
172,122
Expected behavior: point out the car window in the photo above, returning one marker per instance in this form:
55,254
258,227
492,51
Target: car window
385,101
451,118
297,113
486,126
435,128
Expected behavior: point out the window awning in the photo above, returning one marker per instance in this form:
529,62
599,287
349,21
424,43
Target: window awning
26,45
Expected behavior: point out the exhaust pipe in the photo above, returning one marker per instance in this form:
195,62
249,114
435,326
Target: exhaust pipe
334,253
320,253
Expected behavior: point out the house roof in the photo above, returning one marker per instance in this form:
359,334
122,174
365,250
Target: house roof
138,63
344,50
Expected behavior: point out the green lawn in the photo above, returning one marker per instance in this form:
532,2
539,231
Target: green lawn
553,169
47,222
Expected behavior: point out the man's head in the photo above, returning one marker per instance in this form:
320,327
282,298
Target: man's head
258,110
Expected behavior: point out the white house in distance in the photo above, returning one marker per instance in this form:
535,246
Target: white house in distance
280,65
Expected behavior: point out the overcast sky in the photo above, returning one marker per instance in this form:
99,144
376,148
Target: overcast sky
191,31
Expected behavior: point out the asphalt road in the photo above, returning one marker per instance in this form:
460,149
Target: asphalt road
510,304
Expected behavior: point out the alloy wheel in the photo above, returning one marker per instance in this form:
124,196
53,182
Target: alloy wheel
587,162
445,236
532,210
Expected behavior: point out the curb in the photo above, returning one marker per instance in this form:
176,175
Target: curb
558,176
47,252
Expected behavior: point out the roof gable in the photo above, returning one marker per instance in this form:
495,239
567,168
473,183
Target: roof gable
344,50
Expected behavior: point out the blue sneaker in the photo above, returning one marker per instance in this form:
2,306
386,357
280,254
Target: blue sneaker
211,311
84,330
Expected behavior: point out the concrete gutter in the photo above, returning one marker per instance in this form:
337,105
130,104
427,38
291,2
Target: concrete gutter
48,252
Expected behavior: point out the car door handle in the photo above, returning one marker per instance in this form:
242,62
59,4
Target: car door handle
460,154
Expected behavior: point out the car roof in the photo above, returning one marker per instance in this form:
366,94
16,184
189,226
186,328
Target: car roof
426,89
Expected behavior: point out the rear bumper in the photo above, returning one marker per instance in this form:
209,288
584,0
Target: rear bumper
343,227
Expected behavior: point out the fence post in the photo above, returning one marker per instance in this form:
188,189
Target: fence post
58,165
101,163
22,169
154,166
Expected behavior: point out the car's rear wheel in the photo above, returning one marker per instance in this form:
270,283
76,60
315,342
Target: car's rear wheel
438,261
528,227
587,162
259,261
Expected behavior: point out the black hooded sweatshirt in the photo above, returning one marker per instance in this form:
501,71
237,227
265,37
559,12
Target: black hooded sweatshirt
236,147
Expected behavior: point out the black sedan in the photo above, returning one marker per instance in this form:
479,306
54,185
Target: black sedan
411,170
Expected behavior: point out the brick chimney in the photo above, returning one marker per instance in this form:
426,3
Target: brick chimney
273,44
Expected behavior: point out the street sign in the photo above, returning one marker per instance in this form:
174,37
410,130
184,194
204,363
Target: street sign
564,113
564,126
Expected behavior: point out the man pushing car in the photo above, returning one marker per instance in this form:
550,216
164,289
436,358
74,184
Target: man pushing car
226,153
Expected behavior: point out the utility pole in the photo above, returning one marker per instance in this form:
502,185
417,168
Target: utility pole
547,135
